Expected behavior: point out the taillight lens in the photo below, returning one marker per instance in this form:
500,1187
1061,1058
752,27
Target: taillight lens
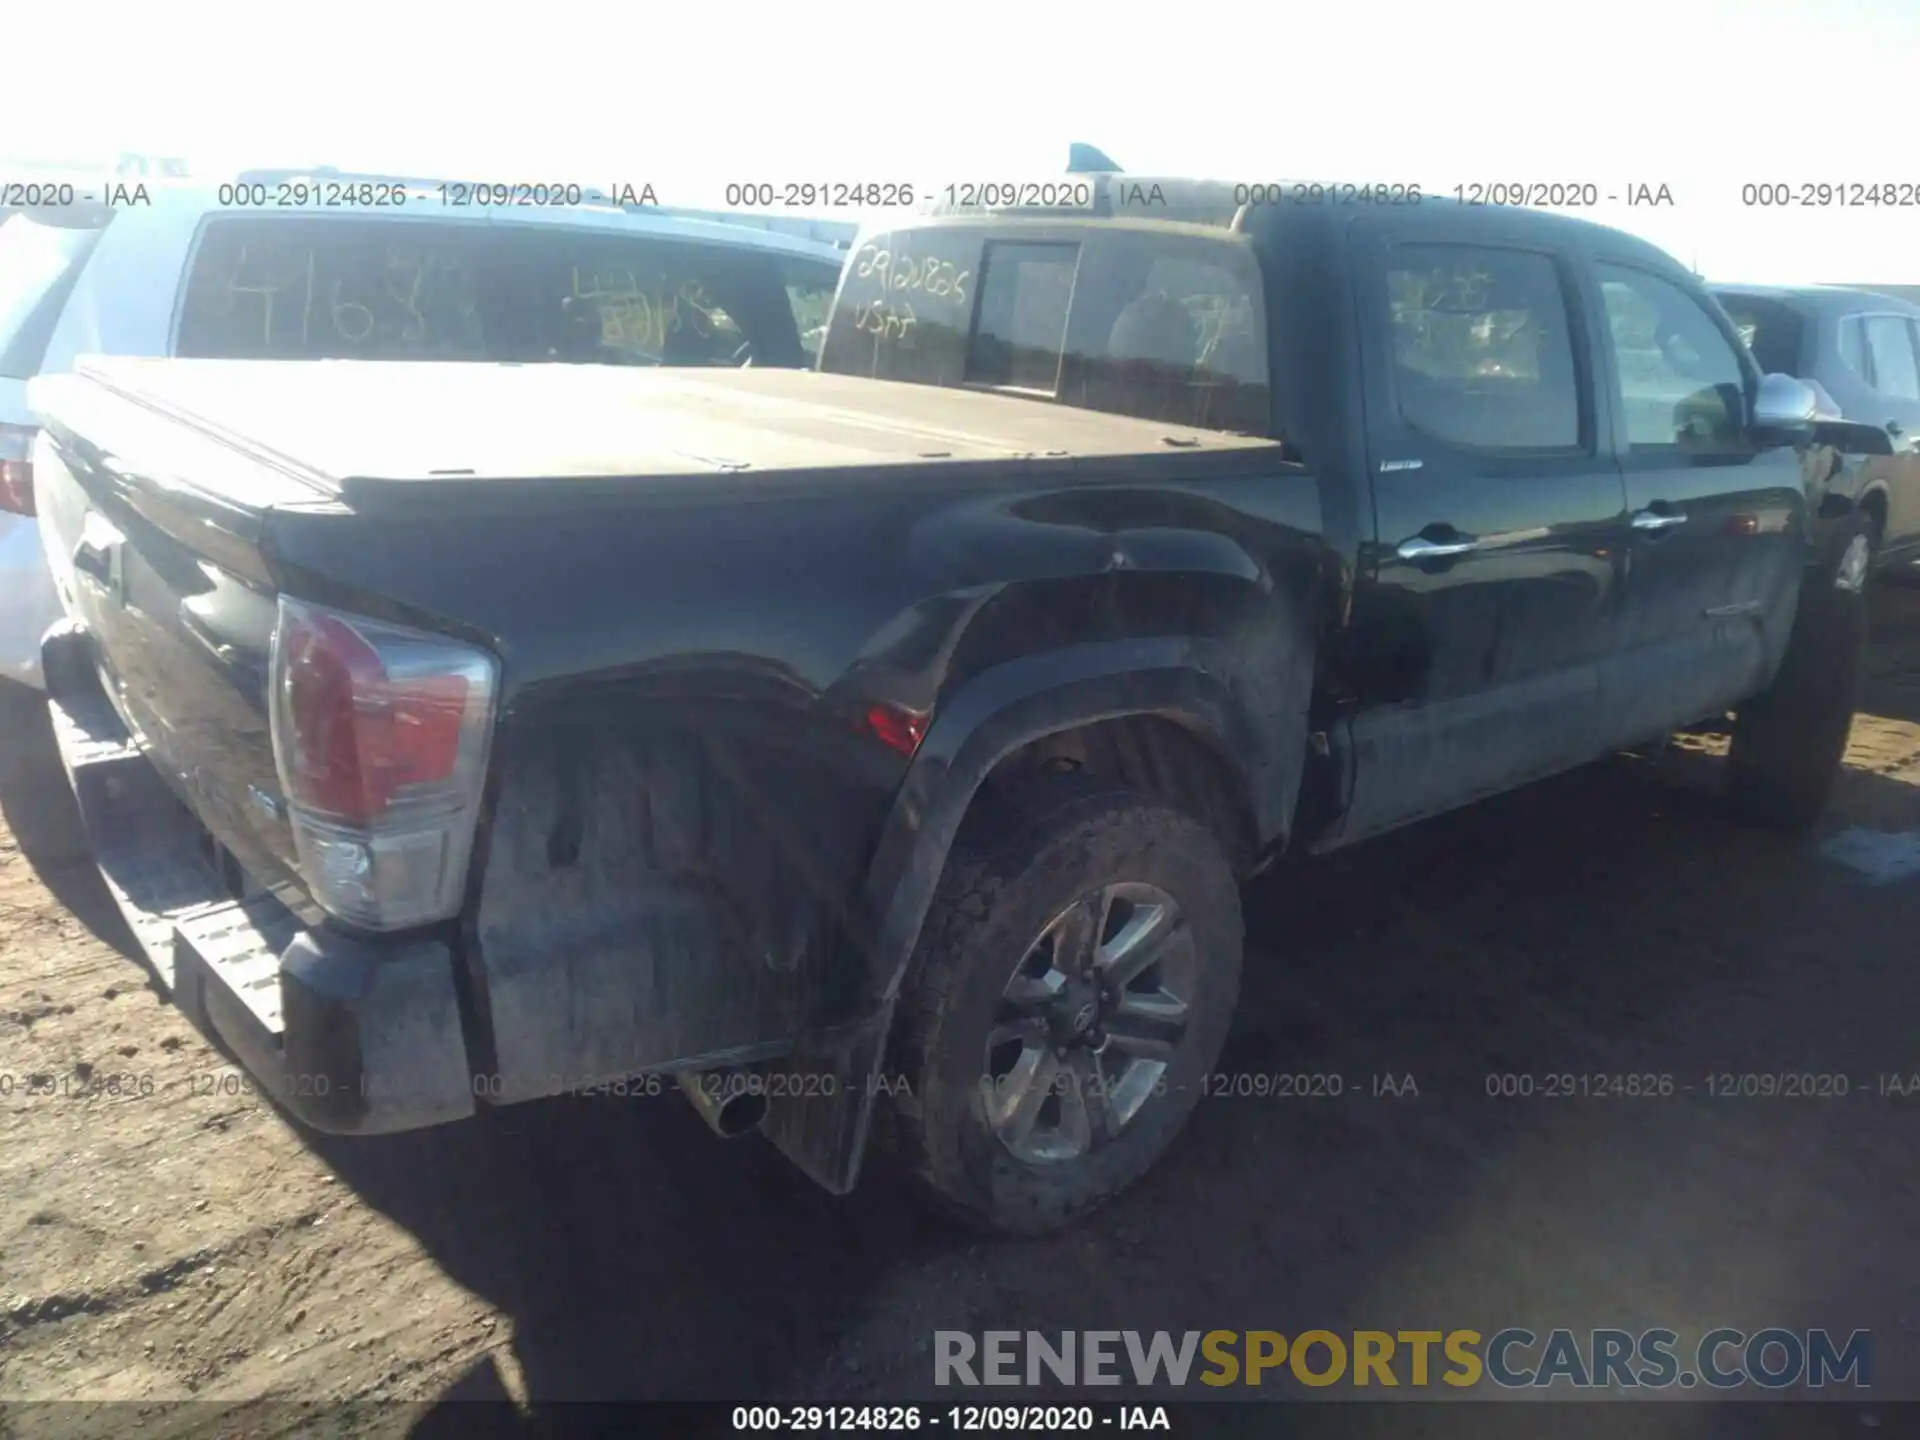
380,736
897,727
16,469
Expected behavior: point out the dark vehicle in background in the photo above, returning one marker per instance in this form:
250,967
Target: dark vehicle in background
876,749
1863,349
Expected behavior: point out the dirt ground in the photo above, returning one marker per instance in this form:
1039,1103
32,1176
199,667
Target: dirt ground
182,1239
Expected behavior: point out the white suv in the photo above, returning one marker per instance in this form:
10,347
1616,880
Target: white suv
257,269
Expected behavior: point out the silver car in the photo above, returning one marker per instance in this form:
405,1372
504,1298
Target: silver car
1863,349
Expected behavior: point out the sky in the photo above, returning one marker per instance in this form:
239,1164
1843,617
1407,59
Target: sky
1704,97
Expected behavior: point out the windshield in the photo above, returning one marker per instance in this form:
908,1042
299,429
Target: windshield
810,285
323,288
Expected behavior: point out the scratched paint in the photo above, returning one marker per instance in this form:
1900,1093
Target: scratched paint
1880,856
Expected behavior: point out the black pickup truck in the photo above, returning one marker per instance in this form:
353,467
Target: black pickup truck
874,751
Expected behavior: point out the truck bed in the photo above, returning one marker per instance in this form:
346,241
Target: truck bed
333,423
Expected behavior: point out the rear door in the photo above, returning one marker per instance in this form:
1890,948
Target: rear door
1893,372
1488,603
1717,523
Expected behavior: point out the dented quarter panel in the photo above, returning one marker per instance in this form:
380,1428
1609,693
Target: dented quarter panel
696,852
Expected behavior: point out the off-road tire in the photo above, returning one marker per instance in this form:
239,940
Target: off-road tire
1788,741
1017,863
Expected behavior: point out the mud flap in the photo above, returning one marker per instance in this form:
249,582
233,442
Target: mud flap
821,1100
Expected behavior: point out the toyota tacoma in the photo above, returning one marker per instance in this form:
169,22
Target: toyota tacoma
877,750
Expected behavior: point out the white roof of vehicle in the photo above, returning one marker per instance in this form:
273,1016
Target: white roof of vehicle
172,204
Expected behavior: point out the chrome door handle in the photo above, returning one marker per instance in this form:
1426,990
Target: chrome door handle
1421,548
97,553
1655,520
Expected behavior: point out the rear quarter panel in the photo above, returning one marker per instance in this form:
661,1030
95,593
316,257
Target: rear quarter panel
687,801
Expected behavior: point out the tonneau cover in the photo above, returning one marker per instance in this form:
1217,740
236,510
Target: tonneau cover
339,420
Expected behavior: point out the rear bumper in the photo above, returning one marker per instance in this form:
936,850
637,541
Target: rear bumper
351,1036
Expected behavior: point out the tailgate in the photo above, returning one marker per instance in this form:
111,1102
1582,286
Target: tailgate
152,526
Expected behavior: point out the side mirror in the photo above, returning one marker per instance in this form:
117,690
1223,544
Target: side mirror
1785,404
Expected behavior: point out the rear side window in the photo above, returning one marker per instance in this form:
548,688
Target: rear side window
1133,321
316,288
1482,348
1771,330
1890,357
39,266
1853,345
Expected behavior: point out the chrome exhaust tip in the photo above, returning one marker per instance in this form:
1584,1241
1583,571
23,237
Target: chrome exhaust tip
732,1102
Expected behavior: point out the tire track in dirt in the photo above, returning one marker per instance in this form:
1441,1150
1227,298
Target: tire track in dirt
179,1240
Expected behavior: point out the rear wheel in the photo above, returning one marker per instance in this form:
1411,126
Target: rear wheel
1788,741
1073,987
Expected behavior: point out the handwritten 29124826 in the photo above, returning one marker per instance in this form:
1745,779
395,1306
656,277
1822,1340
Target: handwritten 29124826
891,282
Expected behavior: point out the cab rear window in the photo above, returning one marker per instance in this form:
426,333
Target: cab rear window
1135,320
1020,333
299,288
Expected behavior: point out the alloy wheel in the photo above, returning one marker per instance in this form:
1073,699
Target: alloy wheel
1089,1022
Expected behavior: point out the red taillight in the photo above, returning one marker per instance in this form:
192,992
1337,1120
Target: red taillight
380,736
16,469
897,727
16,486
360,736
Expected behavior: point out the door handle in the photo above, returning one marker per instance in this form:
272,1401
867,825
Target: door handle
1658,520
90,560
97,555
1421,548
